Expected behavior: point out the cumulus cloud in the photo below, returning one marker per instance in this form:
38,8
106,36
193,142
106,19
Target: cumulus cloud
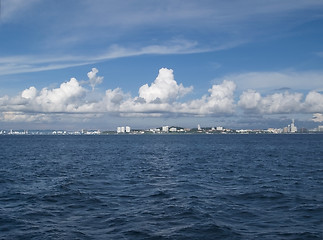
221,97
93,79
164,88
252,101
113,100
281,103
285,102
29,93
66,98
314,102
63,99
160,98
317,117
69,97
219,101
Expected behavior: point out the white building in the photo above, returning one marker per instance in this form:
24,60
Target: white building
293,128
120,129
165,128
219,128
154,130
128,129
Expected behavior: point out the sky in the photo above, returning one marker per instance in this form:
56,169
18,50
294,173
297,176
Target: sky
99,64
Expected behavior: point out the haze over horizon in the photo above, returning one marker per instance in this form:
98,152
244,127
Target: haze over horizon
101,64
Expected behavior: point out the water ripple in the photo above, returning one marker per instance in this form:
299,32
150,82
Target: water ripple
161,187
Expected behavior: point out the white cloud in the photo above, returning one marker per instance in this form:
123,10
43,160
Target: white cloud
314,102
29,93
62,99
317,117
164,88
69,97
31,63
221,98
94,80
160,98
219,101
113,100
66,98
252,101
281,103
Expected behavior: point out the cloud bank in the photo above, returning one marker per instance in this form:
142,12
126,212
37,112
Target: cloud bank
251,101
162,97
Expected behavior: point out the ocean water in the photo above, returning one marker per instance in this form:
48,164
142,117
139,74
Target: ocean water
161,187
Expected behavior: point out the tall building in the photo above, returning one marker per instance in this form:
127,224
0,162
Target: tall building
293,128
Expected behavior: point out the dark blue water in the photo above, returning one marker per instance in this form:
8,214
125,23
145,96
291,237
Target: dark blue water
161,187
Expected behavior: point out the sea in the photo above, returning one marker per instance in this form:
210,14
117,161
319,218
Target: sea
168,186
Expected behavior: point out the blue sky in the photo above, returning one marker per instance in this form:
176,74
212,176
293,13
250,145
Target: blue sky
102,64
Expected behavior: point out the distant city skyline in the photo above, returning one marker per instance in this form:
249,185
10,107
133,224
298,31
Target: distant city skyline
103,64
289,129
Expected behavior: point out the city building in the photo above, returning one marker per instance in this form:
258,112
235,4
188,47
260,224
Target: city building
154,130
293,128
165,128
121,130
125,129
128,129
